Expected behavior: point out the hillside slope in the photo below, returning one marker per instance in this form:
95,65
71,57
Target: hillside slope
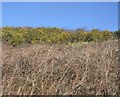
60,69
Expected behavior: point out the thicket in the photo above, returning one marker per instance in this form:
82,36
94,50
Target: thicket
19,35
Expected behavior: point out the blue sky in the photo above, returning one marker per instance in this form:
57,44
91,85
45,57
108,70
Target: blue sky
100,15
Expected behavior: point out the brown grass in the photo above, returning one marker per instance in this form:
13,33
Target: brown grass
45,69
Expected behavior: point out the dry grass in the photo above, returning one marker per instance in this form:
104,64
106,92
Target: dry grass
44,69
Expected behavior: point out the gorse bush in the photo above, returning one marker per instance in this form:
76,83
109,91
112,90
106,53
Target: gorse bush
19,35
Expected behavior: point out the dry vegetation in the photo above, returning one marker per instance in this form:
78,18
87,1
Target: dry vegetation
44,69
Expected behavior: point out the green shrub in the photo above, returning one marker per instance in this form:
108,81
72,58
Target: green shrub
19,35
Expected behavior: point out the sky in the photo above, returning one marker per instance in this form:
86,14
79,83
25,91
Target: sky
68,15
